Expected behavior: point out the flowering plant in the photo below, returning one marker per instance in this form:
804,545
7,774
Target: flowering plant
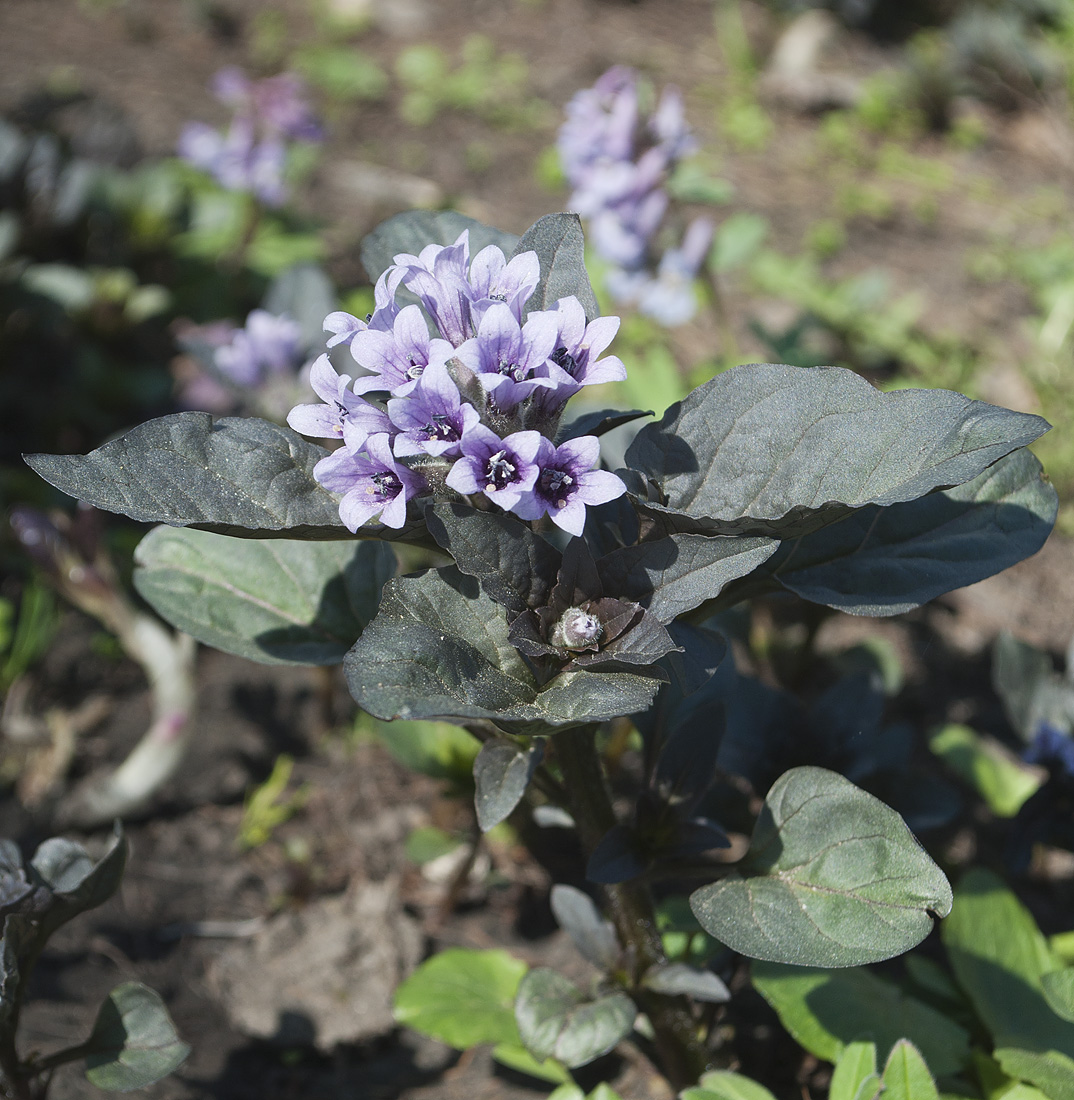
577,595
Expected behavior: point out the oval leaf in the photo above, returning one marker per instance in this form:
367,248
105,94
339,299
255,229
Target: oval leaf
502,772
560,246
1059,992
678,979
576,914
439,647
768,449
833,877
133,1042
189,469
463,997
906,1077
556,1020
723,1084
277,601
884,561
855,1076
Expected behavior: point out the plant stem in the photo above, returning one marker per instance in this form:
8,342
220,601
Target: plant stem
630,905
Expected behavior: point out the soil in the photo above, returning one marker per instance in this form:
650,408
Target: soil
187,877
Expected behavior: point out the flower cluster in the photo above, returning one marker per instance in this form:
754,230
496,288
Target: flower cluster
251,154
472,409
617,165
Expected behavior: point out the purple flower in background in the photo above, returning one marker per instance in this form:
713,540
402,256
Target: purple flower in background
371,481
341,406
434,418
250,155
618,165
567,483
399,356
502,469
267,345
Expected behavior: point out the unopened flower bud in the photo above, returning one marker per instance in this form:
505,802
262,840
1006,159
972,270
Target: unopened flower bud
577,629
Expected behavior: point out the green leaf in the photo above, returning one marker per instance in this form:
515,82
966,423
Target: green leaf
594,937
1000,957
413,230
306,295
190,470
463,997
76,881
884,561
1050,1070
722,1084
598,422
277,601
828,1010
674,575
767,449
556,1020
833,877
906,1077
515,567
855,1076
737,240
560,246
439,647
502,772
519,1059
996,774
1059,992
677,979
133,1042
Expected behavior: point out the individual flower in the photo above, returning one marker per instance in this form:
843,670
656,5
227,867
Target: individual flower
503,469
344,326
494,278
372,483
340,407
567,483
397,356
439,277
433,418
512,360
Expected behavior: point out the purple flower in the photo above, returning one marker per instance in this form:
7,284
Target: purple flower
398,356
344,326
341,407
502,469
567,483
372,483
495,279
512,360
433,418
1052,748
600,123
267,345
438,276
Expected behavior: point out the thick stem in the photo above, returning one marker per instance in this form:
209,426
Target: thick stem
683,1055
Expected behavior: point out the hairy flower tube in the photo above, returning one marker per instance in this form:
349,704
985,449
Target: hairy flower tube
618,164
251,154
471,406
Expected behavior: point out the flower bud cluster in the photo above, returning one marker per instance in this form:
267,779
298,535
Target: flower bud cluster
617,164
251,154
470,407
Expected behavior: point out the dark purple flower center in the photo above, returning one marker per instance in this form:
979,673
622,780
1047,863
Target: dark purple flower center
500,471
563,358
557,485
386,485
441,428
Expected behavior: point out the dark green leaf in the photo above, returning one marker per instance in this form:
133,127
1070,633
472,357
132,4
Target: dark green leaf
556,1020
674,575
618,857
306,295
439,647
833,877
133,1042
678,979
411,231
576,914
598,422
76,882
1000,957
502,772
827,1010
883,561
560,246
463,997
271,600
515,567
189,470
766,449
